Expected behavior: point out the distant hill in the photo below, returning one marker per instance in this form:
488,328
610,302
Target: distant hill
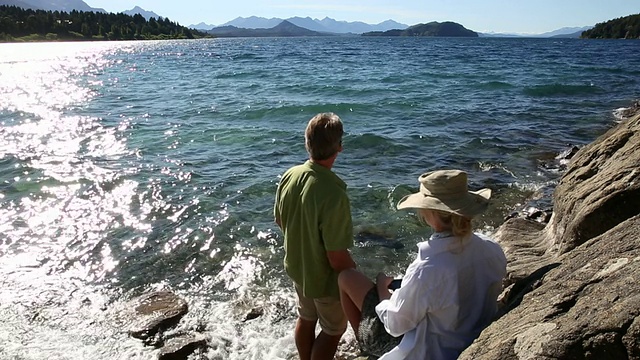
70,5
20,3
565,32
434,28
627,27
358,27
575,35
201,26
326,25
253,22
52,5
284,29
21,24
145,14
307,23
501,35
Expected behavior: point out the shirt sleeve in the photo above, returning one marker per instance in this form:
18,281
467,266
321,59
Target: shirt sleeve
276,212
405,309
336,226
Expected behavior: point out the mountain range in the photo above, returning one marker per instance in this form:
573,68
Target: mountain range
326,25
565,32
70,5
145,14
51,5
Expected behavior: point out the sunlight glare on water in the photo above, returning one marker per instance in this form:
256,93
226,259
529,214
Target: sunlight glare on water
34,78
52,244
57,155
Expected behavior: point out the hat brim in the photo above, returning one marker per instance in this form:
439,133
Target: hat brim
470,205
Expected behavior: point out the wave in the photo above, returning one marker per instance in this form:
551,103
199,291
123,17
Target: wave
494,85
247,56
613,70
561,90
303,111
626,112
372,143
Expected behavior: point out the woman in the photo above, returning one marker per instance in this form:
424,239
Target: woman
448,293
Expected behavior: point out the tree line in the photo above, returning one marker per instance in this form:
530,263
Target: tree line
627,27
18,24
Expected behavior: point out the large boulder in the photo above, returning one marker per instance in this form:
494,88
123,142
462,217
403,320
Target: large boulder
572,289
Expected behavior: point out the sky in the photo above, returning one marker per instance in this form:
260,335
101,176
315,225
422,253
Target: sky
500,16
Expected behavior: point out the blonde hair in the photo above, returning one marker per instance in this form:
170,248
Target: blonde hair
459,225
323,136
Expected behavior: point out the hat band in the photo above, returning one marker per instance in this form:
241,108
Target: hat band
443,195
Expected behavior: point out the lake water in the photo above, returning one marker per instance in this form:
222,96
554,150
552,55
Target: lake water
127,167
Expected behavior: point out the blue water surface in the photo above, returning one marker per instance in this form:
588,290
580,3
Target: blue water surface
132,166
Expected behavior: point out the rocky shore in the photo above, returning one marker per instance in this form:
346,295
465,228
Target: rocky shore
572,289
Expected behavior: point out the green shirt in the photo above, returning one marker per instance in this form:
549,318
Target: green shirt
313,210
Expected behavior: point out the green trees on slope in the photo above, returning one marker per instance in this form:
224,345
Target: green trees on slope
627,27
24,24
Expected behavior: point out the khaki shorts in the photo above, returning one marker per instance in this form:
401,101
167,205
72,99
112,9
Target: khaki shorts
327,311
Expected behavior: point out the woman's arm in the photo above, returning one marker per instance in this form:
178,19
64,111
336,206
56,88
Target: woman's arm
401,311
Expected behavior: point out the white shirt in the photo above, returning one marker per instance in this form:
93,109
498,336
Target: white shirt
448,295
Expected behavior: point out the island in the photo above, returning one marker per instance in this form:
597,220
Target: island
434,28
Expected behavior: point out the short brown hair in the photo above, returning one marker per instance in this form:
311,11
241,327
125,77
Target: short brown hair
323,136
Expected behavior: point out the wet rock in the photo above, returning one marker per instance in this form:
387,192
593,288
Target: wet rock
253,314
281,312
626,113
567,154
535,214
532,213
179,348
368,238
512,215
560,161
154,312
572,286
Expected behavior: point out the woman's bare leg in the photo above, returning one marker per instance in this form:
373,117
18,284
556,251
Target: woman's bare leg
354,286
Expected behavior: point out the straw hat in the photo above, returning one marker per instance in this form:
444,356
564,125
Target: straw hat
446,190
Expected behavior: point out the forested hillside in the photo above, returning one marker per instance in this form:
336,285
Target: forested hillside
627,27
434,28
18,24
